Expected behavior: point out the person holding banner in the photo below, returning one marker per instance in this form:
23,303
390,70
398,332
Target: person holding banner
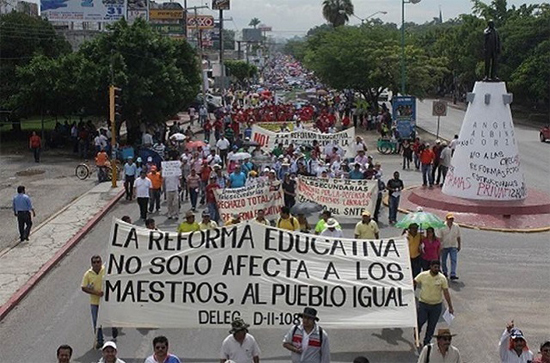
239,346
206,222
260,217
308,342
366,228
189,225
287,221
331,230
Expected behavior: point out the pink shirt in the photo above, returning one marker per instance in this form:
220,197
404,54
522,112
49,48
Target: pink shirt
430,249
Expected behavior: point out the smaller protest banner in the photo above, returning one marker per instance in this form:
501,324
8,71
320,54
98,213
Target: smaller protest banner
249,199
171,168
275,126
342,197
343,140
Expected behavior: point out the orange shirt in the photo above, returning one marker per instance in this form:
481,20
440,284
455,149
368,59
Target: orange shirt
35,141
156,179
101,158
427,156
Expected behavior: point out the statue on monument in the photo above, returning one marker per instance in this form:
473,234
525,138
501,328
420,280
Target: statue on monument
492,50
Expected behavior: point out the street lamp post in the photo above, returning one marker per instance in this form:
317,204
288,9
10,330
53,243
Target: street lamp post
363,20
403,2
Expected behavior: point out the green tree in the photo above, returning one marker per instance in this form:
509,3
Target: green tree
21,38
254,22
241,70
337,12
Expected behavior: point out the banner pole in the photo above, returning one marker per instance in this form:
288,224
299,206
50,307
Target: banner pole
416,337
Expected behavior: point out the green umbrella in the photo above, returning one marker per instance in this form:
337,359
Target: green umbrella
423,219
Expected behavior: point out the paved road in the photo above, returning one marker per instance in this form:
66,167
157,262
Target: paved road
502,277
534,154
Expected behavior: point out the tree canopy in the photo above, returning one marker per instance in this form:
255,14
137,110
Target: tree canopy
242,71
337,12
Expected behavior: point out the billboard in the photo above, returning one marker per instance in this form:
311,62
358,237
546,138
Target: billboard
220,4
159,14
252,35
83,10
137,9
404,115
200,21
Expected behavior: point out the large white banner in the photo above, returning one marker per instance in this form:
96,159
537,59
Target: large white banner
343,197
265,275
344,140
83,10
249,199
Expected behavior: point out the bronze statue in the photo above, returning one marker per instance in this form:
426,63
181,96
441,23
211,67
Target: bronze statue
492,50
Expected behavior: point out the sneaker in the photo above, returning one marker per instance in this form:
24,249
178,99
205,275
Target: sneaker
454,277
169,217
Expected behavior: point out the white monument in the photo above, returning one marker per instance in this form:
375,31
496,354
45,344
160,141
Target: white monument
486,164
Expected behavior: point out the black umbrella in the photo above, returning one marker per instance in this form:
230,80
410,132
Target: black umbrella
306,208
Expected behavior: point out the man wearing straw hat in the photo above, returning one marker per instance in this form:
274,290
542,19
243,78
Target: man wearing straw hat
443,351
239,346
308,342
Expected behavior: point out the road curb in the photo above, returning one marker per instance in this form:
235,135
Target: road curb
25,289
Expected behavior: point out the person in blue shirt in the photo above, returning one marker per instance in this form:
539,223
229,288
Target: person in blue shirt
22,208
237,178
130,172
247,166
356,173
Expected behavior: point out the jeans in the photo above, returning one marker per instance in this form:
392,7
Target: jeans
393,204
114,331
416,266
416,161
129,186
431,314
24,222
142,202
154,198
406,162
213,210
194,195
453,253
36,152
436,171
427,176
444,169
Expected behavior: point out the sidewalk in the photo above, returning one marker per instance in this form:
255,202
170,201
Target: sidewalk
22,266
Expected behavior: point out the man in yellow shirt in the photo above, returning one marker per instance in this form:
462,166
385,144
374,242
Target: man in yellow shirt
206,222
433,287
287,221
367,228
235,219
414,238
92,284
189,224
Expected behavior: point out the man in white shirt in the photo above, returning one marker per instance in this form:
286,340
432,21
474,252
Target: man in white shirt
171,187
444,161
146,139
451,244
240,346
141,191
443,351
513,347
223,145
331,230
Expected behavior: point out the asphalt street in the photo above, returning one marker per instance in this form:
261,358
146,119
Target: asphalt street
502,277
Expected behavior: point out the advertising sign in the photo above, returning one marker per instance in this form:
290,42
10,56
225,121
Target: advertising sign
249,199
342,197
264,275
200,21
87,10
158,14
220,4
169,28
404,115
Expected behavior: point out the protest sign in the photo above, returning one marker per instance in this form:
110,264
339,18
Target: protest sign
344,140
275,126
265,275
249,199
344,197
171,168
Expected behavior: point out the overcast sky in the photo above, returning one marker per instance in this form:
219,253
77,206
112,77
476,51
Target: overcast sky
295,17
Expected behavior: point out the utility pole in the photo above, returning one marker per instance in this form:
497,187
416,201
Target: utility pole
199,47
222,70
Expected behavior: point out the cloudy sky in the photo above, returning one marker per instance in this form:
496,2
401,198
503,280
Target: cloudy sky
295,17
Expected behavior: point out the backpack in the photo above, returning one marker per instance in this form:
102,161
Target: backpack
293,226
321,339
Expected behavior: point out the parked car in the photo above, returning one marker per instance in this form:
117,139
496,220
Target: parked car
544,133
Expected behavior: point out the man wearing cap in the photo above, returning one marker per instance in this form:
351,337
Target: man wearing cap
189,224
156,188
240,346
450,243
331,230
206,222
130,171
513,347
142,185
366,228
433,287
308,342
235,219
109,352
443,351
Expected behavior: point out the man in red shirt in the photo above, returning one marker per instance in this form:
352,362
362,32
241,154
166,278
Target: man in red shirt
35,143
426,159
211,199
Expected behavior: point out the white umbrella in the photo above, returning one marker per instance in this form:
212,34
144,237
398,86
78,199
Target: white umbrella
240,156
178,137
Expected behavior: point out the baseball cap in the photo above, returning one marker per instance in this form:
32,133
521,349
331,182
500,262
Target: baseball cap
109,344
449,216
516,334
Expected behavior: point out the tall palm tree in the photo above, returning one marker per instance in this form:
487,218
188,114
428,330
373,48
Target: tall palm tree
337,12
254,22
